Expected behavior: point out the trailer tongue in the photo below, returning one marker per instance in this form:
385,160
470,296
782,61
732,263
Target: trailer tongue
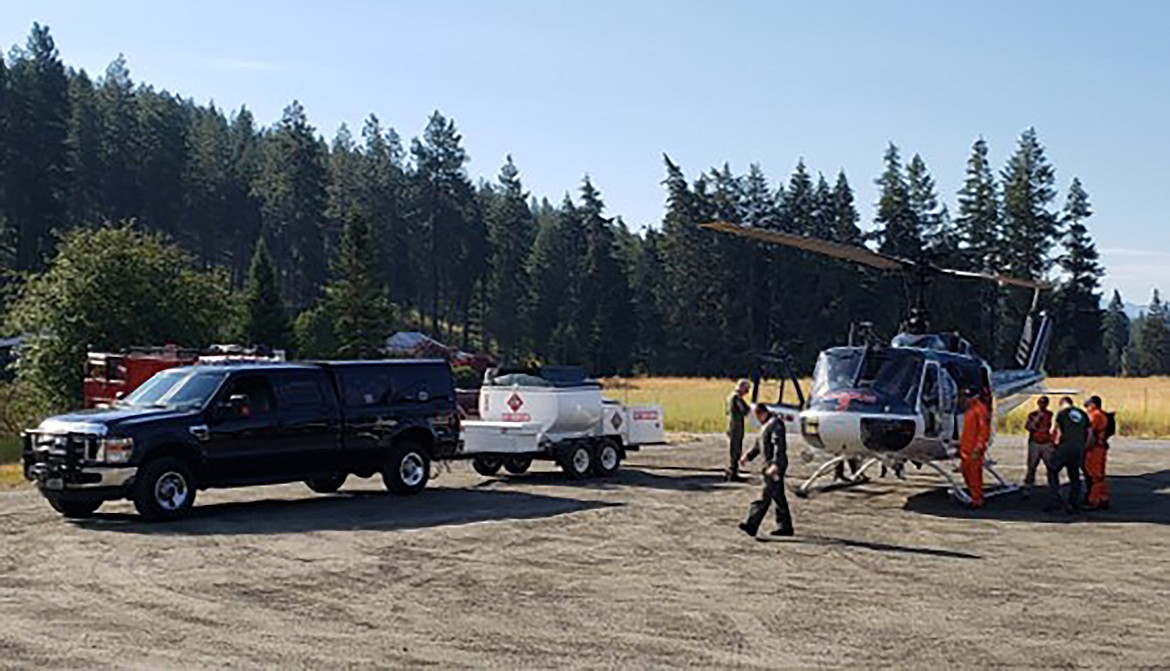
555,413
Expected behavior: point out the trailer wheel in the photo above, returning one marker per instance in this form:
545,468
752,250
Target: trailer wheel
407,469
577,461
518,465
74,510
326,484
486,466
609,458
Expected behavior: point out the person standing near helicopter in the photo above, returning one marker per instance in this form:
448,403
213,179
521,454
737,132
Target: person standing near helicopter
973,444
737,412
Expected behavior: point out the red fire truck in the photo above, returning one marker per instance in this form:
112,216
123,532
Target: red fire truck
110,376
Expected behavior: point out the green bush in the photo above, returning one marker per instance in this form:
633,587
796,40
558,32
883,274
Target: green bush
466,377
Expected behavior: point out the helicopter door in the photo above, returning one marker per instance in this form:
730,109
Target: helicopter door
931,401
949,404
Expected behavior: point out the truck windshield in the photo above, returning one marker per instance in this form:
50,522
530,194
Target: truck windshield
175,390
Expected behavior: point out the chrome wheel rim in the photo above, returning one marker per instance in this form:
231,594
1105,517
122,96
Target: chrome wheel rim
411,469
609,457
171,491
581,460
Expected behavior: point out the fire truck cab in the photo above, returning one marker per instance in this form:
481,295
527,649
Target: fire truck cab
110,376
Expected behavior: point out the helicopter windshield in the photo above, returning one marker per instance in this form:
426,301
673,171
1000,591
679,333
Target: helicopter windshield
875,380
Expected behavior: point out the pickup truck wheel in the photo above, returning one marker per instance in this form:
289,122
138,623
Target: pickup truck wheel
75,510
518,465
609,458
577,461
327,484
486,466
163,490
407,469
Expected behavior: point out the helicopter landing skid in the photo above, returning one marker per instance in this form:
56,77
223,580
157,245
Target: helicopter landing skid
958,490
859,478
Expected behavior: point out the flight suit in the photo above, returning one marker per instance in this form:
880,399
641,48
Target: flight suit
773,443
972,446
1095,460
737,411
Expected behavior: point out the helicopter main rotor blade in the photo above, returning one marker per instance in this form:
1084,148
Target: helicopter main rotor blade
999,279
859,254
837,250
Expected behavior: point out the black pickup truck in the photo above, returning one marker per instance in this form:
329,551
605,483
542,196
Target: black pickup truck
197,427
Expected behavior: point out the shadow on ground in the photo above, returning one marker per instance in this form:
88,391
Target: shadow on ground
1135,499
347,511
697,480
833,541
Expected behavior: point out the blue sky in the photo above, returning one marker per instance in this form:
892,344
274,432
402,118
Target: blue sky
606,88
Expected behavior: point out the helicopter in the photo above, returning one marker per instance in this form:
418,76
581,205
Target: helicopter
873,403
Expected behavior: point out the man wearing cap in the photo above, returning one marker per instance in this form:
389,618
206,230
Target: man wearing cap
737,411
973,444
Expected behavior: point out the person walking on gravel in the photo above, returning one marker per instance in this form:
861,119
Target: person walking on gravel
737,411
773,444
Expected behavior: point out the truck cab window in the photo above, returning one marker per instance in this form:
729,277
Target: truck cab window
257,392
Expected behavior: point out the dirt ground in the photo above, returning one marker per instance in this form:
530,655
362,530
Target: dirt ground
645,569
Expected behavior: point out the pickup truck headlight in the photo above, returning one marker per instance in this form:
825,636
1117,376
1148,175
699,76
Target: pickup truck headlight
115,450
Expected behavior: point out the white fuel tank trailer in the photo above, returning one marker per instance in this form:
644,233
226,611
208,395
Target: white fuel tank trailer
555,413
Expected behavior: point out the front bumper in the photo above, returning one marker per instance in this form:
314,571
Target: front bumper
64,471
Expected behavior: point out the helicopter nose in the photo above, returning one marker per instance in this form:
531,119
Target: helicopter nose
882,434
832,432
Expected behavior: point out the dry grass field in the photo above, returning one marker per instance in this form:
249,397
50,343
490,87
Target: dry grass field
693,404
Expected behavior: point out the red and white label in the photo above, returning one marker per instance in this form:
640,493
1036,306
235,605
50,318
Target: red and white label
515,402
516,417
645,415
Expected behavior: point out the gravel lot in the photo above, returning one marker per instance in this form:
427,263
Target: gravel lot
645,569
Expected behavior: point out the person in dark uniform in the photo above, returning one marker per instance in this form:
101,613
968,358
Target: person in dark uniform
737,411
1071,437
773,444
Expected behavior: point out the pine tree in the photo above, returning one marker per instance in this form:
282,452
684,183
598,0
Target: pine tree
933,221
355,300
85,161
242,205
37,173
120,152
511,230
979,223
1030,227
206,187
605,300
444,197
1116,335
548,280
845,217
291,188
385,199
649,280
896,227
262,319
1076,306
1152,355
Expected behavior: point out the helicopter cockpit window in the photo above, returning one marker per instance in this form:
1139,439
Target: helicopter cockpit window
890,377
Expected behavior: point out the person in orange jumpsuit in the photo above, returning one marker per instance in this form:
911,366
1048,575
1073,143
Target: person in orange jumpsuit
973,445
1095,455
